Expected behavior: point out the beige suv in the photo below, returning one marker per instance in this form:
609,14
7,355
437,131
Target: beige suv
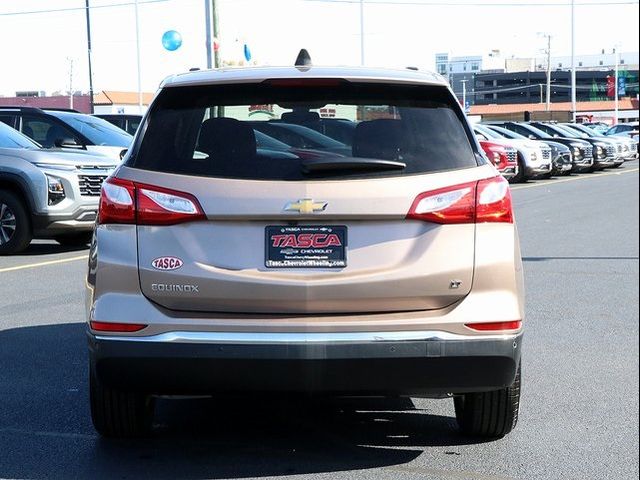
389,265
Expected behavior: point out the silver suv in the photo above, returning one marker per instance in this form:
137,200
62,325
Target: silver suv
46,193
218,266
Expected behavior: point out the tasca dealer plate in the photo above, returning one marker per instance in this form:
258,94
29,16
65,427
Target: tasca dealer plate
306,246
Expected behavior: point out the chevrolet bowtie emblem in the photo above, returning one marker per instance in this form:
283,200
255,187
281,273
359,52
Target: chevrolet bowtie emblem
306,205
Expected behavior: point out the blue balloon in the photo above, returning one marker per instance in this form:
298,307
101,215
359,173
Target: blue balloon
171,40
247,52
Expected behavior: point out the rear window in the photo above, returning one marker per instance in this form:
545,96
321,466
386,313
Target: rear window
307,131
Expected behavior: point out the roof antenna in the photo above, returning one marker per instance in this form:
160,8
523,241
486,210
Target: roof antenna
303,59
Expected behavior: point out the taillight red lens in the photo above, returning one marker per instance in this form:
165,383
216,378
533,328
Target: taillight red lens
123,201
484,201
495,326
117,202
454,204
116,327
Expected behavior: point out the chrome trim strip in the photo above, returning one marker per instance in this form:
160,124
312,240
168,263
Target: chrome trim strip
269,338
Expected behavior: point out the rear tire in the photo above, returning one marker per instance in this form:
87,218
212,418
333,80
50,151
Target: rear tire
119,414
75,239
489,414
15,224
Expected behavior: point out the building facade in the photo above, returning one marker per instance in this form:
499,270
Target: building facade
530,86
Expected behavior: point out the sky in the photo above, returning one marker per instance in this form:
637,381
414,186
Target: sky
38,48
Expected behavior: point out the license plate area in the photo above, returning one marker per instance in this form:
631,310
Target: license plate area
306,246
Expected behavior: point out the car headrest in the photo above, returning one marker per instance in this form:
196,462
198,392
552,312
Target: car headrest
383,139
300,117
54,133
226,137
28,131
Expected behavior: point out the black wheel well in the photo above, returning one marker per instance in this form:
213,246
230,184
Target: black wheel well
14,186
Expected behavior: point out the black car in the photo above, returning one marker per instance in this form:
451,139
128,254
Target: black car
126,121
603,152
64,128
581,151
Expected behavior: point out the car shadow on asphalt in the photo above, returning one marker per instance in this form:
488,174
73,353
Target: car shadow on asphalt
50,248
46,432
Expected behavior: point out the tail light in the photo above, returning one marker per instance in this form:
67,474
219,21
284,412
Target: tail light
127,202
116,327
495,326
484,201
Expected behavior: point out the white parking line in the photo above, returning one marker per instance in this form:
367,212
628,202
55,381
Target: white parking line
43,264
573,179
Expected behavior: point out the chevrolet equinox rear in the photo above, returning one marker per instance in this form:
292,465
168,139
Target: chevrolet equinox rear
390,266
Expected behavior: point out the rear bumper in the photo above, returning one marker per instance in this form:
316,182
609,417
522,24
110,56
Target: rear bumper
359,363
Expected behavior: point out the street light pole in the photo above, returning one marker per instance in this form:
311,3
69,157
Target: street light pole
548,106
573,61
216,33
362,33
464,94
207,29
89,55
70,83
615,119
138,59
541,94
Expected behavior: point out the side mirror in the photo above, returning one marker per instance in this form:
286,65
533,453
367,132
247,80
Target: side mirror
532,136
123,153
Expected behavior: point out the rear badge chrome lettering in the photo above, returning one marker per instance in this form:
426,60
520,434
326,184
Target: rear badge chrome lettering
174,288
167,263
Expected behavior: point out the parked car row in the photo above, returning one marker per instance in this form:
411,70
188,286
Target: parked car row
545,149
53,161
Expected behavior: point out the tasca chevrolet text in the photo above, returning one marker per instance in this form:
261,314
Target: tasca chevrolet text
386,265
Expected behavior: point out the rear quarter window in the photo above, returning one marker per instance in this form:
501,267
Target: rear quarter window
212,130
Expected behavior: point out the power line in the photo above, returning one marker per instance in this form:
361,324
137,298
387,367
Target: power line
470,4
75,9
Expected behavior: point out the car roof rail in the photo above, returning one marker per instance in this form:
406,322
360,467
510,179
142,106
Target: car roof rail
21,108
56,109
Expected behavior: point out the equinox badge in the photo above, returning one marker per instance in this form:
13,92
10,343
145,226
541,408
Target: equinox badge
305,205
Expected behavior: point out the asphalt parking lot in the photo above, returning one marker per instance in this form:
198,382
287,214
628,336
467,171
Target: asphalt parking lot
579,411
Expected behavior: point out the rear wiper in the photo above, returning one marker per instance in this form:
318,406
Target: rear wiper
350,163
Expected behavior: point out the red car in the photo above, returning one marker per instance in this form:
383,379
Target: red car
504,158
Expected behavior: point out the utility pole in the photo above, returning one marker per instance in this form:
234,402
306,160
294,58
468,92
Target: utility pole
573,60
464,94
548,106
70,82
138,59
207,28
362,33
615,119
89,55
216,33
541,94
